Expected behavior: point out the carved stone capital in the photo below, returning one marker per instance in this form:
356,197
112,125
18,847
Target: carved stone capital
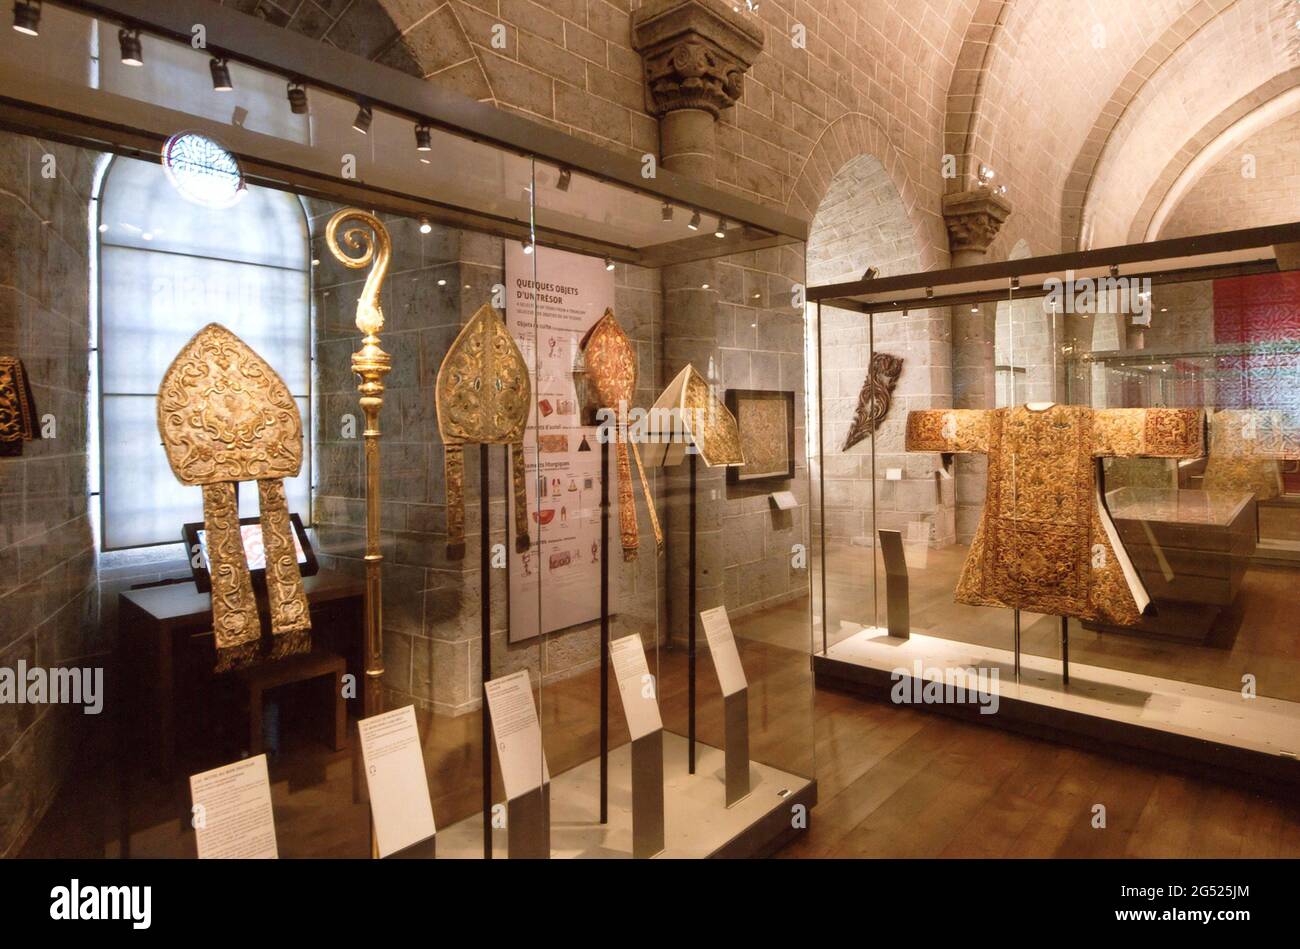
696,53
974,218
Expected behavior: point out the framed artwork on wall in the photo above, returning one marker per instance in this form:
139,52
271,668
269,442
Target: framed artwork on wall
766,421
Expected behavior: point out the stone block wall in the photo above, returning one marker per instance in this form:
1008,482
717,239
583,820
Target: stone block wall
49,604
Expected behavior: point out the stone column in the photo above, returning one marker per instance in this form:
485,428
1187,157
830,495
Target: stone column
974,219
696,53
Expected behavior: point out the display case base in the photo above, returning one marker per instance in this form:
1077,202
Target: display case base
697,821
1211,732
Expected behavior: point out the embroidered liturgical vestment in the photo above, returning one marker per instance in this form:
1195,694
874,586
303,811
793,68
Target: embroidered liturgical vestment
483,397
225,416
610,368
1045,542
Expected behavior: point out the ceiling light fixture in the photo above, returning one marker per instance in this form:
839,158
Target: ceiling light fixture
425,226
609,263
27,17
220,75
566,176
721,231
364,116
423,138
666,213
528,246
870,274
129,42
694,224
297,98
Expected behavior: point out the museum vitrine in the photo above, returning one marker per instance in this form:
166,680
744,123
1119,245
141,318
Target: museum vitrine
1076,496
428,412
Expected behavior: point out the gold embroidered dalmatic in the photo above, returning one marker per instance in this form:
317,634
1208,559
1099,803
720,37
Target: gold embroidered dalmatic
1045,542
483,397
610,365
225,416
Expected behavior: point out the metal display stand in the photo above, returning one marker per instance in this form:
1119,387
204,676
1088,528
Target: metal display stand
604,632
648,795
897,608
690,640
485,641
528,825
736,745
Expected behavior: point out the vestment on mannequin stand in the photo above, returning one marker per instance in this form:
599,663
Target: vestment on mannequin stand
609,360
483,397
1045,542
225,416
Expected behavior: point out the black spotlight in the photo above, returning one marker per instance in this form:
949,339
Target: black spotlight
298,98
362,122
694,223
566,176
220,75
129,40
423,139
27,17
666,212
721,231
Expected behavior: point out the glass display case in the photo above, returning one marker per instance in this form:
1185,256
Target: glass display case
1087,486
522,372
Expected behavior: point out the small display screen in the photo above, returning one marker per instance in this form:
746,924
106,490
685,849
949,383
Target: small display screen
254,549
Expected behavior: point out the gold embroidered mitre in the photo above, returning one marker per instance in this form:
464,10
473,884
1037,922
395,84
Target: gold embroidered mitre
483,397
713,427
225,416
610,364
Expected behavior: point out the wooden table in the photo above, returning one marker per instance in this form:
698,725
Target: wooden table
165,643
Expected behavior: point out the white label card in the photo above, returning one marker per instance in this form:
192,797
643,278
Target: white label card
399,787
517,733
784,500
636,686
722,646
232,811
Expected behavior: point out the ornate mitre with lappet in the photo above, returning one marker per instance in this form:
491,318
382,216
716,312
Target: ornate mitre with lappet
610,375
225,416
483,397
687,412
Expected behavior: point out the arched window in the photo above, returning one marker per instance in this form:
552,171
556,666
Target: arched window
167,266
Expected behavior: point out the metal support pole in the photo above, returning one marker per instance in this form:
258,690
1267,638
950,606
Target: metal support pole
690,642
485,641
604,632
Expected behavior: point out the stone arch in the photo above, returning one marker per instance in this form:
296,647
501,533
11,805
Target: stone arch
966,90
1078,181
848,137
1228,128
1249,38
864,219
